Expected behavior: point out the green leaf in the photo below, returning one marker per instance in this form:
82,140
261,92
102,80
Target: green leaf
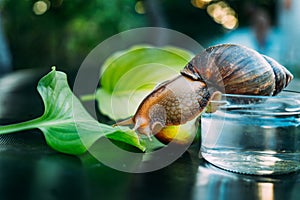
128,76
66,125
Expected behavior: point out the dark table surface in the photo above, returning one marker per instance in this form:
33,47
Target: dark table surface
29,169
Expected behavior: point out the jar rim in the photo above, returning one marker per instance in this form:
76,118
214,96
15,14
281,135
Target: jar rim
286,103
284,94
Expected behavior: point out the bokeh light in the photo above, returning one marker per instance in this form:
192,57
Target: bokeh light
200,3
139,7
223,14
40,7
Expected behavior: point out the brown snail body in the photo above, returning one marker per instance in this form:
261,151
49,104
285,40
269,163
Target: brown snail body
225,68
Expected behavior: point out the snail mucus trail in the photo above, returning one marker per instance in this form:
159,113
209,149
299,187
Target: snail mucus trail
226,68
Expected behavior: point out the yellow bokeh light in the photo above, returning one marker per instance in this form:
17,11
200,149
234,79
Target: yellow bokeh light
230,22
200,3
218,14
223,14
210,9
229,11
40,7
140,8
222,4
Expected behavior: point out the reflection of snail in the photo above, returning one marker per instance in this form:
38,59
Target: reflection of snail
223,68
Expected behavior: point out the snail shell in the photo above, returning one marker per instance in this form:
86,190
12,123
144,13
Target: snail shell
235,69
225,68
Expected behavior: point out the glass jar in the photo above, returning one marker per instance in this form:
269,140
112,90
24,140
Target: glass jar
253,134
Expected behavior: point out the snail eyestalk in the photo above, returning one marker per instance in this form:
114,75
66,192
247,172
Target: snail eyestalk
125,122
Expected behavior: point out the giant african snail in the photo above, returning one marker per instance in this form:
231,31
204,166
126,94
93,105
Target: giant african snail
226,68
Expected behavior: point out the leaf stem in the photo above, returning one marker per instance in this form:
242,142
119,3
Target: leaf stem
31,124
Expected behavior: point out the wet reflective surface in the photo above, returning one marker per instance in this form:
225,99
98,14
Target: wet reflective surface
29,169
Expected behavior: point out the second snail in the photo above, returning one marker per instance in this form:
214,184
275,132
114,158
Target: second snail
225,68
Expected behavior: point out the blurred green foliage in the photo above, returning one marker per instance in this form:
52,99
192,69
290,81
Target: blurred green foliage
66,32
